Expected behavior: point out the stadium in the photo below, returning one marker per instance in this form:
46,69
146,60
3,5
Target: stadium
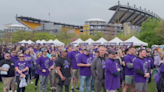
125,19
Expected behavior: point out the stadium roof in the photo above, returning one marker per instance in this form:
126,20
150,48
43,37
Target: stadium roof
16,25
95,19
39,21
126,13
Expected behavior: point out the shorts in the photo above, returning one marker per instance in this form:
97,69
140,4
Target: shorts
8,82
75,73
129,79
141,86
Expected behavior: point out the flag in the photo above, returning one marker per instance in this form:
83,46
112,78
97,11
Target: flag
49,14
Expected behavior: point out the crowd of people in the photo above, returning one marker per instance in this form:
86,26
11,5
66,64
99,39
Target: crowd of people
91,68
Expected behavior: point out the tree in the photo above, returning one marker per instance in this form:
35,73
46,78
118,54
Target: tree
21,35
84,37
160,30
43,35
97,36
7,37
148,32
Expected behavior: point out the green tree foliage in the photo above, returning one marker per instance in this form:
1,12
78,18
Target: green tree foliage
65,37
22,35
85,37
7,38
148,32
125,37
43,35
160,30
97,36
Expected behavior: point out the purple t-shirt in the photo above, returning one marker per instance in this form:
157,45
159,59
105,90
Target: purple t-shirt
80,49
44,63
14,58
162,69
29,60
36,51
73,55
21,66
150,62
85,59
129,59
143,65
111,82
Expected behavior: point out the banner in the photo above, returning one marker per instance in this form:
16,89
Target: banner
84,43
110,43
126,44
86,29
96,43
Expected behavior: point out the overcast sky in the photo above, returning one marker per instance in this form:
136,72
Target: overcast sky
68,11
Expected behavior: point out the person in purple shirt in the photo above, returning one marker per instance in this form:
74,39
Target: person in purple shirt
112,73
150,62
73,55
36,49
44,65
69,49
21,68
84,62
160,83
129,70
157,60
37,71
29,60
142,72
13,55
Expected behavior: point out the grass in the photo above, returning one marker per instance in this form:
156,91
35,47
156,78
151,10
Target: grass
30,87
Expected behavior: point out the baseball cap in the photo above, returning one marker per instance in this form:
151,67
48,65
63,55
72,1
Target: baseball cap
22,45
86,49
63,50
53,55
111,52
76,45
43,49
96,51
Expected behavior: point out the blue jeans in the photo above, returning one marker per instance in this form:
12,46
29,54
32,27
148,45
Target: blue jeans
84,79
93,84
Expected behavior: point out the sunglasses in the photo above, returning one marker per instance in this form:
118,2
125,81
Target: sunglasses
45,51
7,56
21,56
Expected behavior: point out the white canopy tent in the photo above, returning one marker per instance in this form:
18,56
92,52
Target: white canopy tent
89,41
50,41
136,41
101,40
23,41
56,42
38,41
77,41
30,42
116,40
43,41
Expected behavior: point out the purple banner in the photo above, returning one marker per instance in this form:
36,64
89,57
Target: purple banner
84,43
110,43
96,43
126,43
